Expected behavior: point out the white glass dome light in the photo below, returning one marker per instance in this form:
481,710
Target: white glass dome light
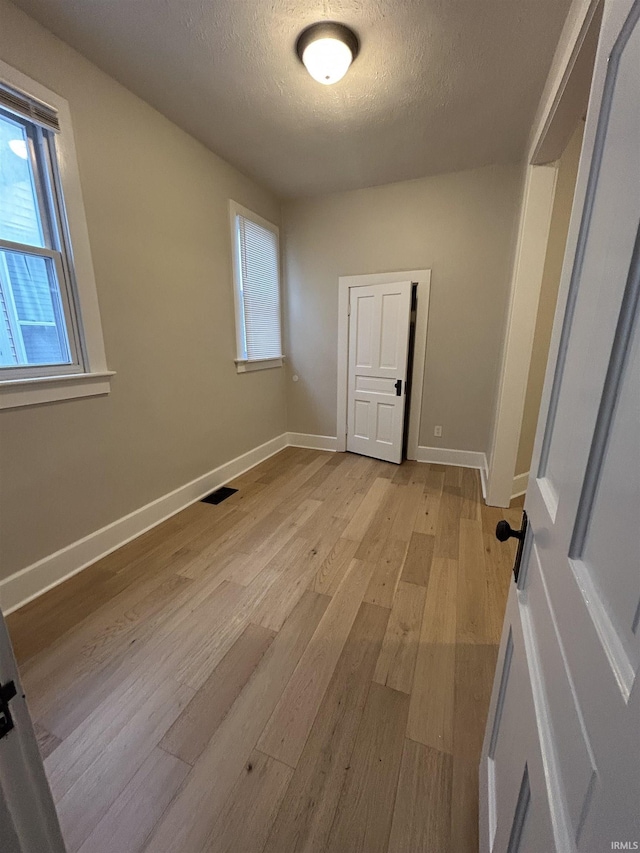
327,49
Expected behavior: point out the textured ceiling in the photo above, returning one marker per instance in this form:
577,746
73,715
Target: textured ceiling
439,85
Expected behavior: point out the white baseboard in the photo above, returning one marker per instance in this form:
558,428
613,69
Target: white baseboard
32,581
312,442
458,458
484,478
519,485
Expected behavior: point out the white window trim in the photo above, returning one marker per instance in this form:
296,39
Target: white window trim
243,364
96,379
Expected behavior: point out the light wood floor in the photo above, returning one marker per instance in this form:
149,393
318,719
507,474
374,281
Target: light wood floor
306,666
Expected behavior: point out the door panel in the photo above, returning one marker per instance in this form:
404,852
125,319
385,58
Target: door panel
378,349
578,595
392,326
364,330
384,423
610,498
574,759
514,808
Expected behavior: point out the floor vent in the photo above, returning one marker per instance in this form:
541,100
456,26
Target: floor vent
219,495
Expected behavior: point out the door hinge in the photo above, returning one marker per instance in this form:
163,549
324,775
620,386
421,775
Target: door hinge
504,531
7,693
349,310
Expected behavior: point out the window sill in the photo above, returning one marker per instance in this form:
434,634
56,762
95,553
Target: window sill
15,393
244,366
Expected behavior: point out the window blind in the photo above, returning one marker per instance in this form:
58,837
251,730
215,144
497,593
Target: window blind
29,107
260,281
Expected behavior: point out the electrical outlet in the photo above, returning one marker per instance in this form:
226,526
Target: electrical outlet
437,432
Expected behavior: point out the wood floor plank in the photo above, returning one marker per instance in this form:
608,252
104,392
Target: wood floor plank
464,812
397,660
429,507
453,475
94,770
197,724
471,494
408,506
64,700
47,742
417,563
135,812
304,546
422,814
411,473
286,733
188,821
365,810
381,526
475,665
476,623
361,467
245,567
252,806
440,613
86,592
308,809
59,669
203,553
448,527
363,516
285,592
217,624
390,540
346,505
386,573
334,566
432,698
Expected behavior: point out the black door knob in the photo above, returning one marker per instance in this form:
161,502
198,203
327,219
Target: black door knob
504,531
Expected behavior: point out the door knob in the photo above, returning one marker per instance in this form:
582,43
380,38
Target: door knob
398,387
505,531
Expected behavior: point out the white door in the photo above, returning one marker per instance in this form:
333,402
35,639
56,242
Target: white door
560,769
379,318
28,820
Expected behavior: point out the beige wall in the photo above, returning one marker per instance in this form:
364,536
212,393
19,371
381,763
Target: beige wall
559,228
459,225
156,204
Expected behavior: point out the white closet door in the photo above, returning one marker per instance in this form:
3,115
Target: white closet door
378,348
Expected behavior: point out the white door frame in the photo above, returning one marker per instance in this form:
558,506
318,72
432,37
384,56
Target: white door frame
560,109
345,282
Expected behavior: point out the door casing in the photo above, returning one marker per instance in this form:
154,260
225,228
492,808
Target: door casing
560,109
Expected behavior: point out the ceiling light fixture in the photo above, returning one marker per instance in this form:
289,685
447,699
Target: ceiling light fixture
327,49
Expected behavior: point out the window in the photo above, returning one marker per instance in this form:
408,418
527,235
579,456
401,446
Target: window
256,269
37,323
42,339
